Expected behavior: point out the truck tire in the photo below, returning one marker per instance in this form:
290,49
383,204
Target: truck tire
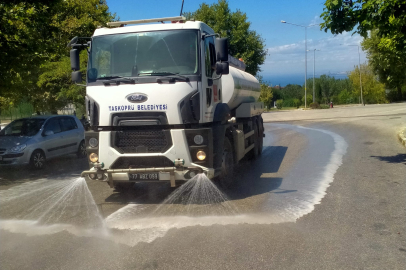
260,136
227,167
253,154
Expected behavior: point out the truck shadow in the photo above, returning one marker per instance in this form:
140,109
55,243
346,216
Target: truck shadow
252,177
255,177
67,166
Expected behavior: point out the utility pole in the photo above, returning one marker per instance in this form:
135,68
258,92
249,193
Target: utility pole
305,27
314,72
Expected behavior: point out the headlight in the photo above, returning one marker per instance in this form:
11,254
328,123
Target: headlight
93,142
198,139
201,155
18,148
94,157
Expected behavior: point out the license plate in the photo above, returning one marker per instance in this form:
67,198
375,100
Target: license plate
143,176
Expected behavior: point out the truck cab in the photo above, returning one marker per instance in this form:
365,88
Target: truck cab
165,104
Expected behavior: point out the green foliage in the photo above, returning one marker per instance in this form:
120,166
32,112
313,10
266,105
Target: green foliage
387,16
33,35
324,106
243,42
266,95
12,112
344,97
288,102
373,91
309,99
279,104
55,82
296,103
388,65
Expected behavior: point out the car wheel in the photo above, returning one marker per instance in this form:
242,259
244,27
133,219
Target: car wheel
82,150
37,160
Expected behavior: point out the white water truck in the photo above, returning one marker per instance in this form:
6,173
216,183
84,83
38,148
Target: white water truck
165,102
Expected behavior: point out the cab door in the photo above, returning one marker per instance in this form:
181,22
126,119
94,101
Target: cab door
211,84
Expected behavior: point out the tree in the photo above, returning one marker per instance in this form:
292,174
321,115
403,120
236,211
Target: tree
373,91
388,17
309,99
33,35
327,86
390,67
243,42
266,95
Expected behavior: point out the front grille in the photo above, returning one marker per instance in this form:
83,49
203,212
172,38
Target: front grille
141,162
2,151
142,141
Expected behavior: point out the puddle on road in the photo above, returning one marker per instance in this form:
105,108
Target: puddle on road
51,206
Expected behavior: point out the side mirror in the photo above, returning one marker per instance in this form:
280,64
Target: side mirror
222,68
74,60
48,133
221,49
77,77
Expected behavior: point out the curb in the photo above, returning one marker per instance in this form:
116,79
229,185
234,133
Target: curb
402,137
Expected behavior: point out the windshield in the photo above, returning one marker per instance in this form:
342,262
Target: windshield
23,127
144,54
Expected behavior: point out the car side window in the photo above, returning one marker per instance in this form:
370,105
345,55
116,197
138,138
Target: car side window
53,124
67,123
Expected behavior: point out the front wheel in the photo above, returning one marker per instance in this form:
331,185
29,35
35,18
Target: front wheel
227,166
37,160
81,153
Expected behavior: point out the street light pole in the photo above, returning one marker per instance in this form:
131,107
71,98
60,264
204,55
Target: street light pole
360,77
360,80
305,67
314,72
305,27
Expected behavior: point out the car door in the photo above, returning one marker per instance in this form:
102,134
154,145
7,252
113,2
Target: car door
70,133
52,144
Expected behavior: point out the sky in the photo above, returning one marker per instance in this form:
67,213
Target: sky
285,62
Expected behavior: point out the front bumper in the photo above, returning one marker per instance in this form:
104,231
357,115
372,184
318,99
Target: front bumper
171,174
13,159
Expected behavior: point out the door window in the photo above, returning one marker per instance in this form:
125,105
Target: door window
210,56
53,124
67,123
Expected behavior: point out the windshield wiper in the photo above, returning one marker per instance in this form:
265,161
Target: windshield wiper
116,79
166,76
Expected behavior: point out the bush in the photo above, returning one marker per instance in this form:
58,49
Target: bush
309,99
288,102
314,105
279,104
296,103
324,106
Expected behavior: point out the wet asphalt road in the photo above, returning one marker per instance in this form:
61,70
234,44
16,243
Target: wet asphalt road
328,192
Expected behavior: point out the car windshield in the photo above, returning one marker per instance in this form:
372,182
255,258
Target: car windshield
22,127
144,54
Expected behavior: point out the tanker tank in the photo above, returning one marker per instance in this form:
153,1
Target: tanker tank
239,87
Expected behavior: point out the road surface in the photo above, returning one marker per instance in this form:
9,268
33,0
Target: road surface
328,192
